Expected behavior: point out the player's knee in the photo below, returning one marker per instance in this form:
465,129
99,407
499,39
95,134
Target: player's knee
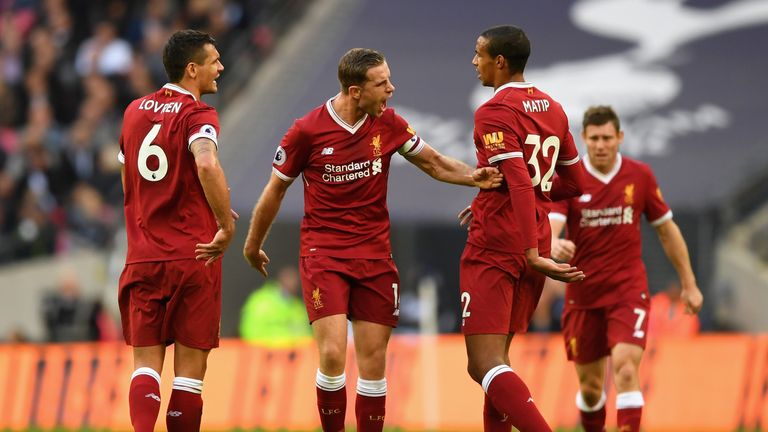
478,369
332,357
625,374
591,394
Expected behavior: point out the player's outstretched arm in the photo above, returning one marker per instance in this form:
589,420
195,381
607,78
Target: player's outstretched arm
558,271
677,251
214,184
450,170
264,213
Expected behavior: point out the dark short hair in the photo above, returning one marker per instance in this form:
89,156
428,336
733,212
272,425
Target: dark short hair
183,47
510,42
354,65
600,115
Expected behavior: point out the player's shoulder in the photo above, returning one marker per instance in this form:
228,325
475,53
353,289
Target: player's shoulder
635,165
313,120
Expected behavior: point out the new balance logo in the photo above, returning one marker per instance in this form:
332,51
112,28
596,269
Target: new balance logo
153,396
174,413
505,418
327,151
530,399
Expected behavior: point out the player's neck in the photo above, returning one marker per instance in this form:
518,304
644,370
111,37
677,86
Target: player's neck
347,109
190,87
505,78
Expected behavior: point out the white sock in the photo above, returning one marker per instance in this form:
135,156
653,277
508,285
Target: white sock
633,399
146,371
329,383
188,384
372,388
493,373
582,404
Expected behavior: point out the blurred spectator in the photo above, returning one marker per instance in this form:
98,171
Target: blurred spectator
68,316
274,314
667,315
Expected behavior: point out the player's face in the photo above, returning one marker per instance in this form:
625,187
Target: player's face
602,145
209,71
484,64
376,91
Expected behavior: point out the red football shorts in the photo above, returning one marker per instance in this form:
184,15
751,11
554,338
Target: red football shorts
362,289
590,334
499,292
171,301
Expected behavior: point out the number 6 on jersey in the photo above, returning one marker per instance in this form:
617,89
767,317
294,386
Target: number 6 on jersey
148,149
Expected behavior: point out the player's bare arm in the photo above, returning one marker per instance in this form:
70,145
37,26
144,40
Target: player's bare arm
264,213
677,251
214,185
450,170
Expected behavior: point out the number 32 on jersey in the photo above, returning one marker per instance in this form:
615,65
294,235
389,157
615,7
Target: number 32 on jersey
551,145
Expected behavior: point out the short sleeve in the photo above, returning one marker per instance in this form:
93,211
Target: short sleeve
569,154
405,138
203,122
495,132
656,209
292,154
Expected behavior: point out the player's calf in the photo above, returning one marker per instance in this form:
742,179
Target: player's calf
144,399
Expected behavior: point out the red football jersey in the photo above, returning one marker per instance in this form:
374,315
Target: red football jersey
519,121
166,212
605,225
345,169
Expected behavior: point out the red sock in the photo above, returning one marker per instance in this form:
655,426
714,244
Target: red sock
493,420
144,399
593,421
511,396
185,409
332,406
592,417
331,401
370,405
629,411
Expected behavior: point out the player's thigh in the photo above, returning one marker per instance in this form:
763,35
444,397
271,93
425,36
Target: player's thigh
324,287
527,297
371,341
584,332
591,375
142,299
627,322
375,293
488,289
194,309
330,334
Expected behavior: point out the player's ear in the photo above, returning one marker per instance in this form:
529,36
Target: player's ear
191,69
355,91
501,62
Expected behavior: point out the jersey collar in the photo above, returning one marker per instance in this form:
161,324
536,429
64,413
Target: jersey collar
339,121
514,84
178,89
605,178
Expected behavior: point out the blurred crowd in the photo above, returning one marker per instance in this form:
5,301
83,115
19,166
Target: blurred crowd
68,69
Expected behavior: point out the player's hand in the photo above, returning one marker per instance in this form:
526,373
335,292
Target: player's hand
487,177
561,272
215,249
563,250
692,299
465,217
257,259
235,216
